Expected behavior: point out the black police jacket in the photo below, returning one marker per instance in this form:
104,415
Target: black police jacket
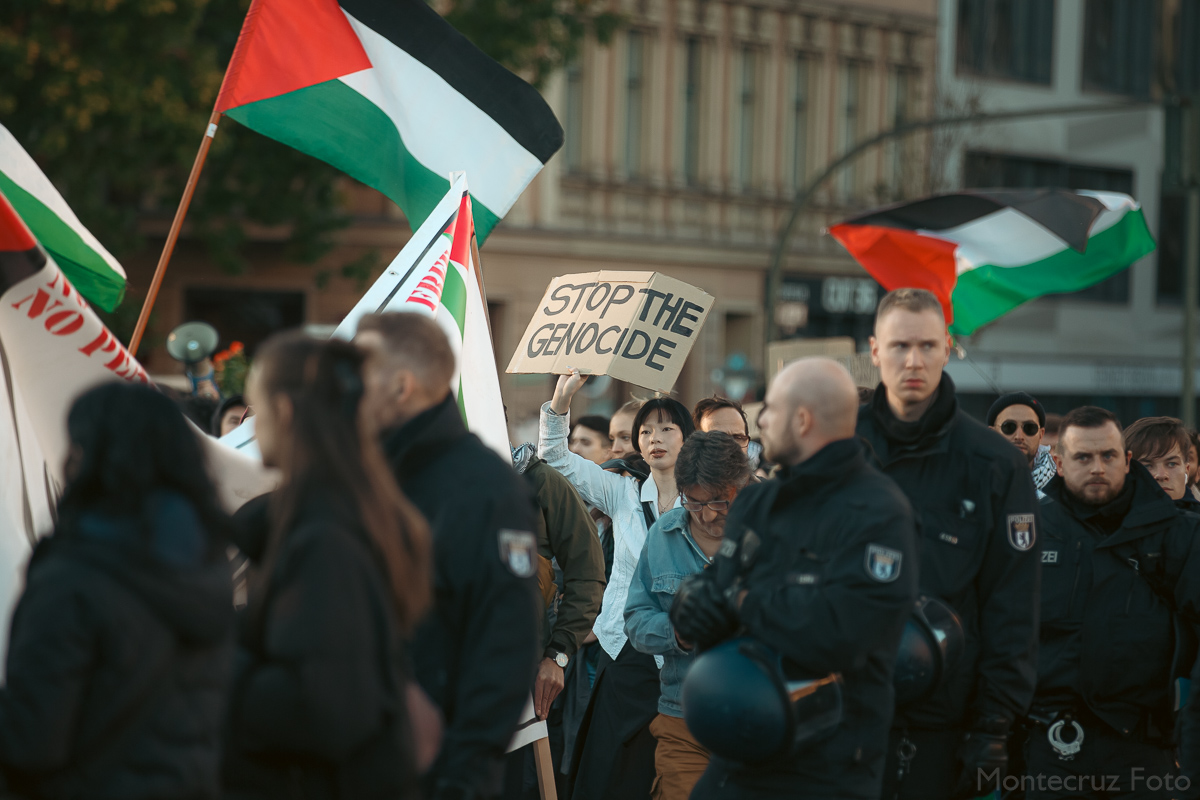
831,581
1111,592
476,654
977,511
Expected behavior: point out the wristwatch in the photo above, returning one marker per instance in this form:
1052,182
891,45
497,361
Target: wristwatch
559,658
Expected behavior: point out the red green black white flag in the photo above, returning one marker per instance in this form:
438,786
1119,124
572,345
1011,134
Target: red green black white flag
983,253
389,93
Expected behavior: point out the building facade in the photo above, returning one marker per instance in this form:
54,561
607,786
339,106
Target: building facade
1117,344
686,137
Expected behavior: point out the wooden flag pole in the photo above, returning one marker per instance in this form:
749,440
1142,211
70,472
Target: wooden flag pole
173,236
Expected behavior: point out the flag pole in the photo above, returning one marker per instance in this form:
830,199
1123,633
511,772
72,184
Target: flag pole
173,235
479,277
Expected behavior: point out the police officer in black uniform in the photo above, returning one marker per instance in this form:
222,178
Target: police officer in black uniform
1120,574
977,511
818,566
477,651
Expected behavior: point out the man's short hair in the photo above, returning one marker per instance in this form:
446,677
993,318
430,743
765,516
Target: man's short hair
711,459
593,422
710,405
1086,417
1153,437
416,341
914,300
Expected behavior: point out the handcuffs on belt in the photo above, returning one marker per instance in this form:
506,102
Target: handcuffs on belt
1065,749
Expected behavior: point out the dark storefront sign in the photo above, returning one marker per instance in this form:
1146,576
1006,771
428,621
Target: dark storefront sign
817,307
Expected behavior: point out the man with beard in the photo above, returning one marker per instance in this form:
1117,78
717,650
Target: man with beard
977,507
1121,573
819,569
1020,418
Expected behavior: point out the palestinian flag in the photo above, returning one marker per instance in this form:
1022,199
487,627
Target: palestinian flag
389,93
436,275
92,270
983,253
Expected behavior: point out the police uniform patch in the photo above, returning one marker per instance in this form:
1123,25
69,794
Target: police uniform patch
518,551
883,563
1022,532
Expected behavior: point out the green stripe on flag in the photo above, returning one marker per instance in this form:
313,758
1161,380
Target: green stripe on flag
988,292
336,124
86,269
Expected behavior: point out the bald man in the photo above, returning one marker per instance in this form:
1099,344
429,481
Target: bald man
818,565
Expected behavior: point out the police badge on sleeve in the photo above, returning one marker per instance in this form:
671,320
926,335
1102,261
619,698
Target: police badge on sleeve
518,551
883,563
1022,532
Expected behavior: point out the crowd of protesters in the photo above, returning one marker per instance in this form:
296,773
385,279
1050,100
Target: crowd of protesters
415,600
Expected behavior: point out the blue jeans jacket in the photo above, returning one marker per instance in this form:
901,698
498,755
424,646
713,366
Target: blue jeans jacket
669,555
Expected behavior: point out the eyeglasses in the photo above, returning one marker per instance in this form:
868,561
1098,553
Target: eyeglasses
1009,427
692,505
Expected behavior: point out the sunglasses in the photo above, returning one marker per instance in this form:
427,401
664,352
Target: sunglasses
1009,427
692,505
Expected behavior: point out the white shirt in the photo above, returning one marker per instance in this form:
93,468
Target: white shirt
619,498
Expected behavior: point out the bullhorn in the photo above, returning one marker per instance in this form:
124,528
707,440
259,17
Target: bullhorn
192,342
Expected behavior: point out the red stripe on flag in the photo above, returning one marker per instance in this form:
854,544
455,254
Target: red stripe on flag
460,247
287,45
901,259
14,234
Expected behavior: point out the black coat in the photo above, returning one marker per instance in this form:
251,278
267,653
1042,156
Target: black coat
317,708
118,661
823,527
977,510
476,653
1108,634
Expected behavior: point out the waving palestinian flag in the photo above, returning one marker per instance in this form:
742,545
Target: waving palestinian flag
91,268
983,253
389,93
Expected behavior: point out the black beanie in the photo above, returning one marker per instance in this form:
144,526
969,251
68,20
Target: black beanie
1016,399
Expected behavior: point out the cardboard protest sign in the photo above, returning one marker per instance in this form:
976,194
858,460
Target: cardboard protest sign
635,326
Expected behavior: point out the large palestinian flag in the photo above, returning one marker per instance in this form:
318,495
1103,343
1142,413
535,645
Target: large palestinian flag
389,93
983,253
91,268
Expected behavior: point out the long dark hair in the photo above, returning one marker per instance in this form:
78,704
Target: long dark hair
332,451
667,408
127,441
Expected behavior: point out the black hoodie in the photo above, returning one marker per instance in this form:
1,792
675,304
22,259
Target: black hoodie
118,660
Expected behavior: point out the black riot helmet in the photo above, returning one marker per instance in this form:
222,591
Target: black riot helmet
930,648
738,704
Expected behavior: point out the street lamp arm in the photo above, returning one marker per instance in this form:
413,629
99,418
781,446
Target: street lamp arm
805,193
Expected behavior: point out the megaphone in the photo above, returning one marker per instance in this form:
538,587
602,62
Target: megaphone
192,342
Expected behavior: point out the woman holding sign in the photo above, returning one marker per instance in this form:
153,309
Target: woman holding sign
614,751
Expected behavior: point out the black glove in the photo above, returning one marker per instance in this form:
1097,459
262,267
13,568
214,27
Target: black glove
984,756
701,613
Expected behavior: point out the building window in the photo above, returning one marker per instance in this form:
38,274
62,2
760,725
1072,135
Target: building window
635,80
691,112
1009,39
800,93
899,96
574,127
1118,46
748,110
1184,22
851,103
991,170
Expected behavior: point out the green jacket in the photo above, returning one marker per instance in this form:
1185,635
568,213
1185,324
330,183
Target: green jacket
567,534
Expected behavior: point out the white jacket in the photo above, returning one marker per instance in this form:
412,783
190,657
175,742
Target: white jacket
618,497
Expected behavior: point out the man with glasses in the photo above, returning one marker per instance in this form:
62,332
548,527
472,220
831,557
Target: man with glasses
710,472
727,416
1020,418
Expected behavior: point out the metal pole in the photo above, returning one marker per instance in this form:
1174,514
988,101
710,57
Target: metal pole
1191,288
805,193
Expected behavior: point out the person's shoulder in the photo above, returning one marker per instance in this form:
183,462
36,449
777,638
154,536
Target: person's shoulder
873,488
981,441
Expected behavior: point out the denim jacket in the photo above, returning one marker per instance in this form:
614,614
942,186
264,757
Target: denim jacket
669,556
